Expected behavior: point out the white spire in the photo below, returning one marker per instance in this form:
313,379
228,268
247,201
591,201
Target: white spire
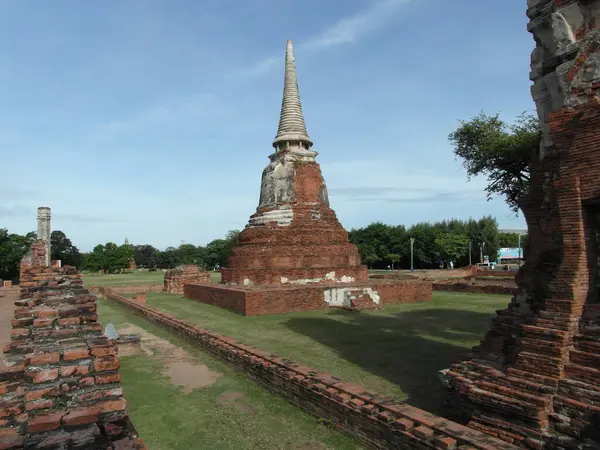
291,122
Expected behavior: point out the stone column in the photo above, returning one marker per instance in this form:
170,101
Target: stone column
44,229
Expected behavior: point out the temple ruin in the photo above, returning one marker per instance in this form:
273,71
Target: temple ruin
535,378
61,387
294,254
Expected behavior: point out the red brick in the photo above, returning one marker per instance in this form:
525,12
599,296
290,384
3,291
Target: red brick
44,358
47,312
19,332
39,393
72,355
69,321
45,422
113,405
107,379
43,322
423,432
404,424
43,376
39,404
82,416
106,363
67,371
10,438
445,443
104,351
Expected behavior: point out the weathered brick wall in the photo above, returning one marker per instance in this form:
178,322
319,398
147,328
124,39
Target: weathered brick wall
262,300
129,289
61,389
176,278
474,288
535,375
375,420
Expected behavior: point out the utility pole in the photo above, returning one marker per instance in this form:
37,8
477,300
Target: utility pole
470,252
412,265
519,250
481,247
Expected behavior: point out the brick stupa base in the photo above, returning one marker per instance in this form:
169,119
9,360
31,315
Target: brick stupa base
279,299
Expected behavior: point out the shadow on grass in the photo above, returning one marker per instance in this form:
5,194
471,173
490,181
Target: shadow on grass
406,348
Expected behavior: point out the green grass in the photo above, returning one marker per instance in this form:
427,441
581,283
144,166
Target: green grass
168,418
396,351
132,278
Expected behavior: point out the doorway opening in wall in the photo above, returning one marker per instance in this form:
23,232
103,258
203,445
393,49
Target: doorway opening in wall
591,223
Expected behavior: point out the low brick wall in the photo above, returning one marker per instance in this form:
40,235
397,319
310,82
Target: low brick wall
497,273
128,289
263,300
475,288
373,419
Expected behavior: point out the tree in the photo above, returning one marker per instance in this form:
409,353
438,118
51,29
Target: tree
145,256
450,246
12,249
62,249
219,250
489,147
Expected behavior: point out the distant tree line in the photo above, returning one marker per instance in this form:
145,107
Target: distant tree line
382,245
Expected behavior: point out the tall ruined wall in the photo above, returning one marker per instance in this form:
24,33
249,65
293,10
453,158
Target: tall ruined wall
61,388
534,379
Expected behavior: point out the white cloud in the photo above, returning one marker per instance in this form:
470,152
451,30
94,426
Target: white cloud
350,29
346,30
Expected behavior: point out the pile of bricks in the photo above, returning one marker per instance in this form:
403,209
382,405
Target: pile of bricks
378,421
61,388
178,277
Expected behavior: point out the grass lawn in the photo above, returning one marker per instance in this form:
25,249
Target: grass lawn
396,351
133,278
231,413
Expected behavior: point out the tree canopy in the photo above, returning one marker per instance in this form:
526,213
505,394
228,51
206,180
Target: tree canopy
64,250
489,147
382,245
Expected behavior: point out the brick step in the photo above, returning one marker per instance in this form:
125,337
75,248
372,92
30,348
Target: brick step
553,315
534,377
587,344
565,325
545,334
507,404
540,400
584,358
539,347
562,306
582,373
592,330
579,391
539,364
525,384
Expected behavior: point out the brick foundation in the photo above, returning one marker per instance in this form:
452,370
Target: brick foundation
176,278
311,275
474,288
129,289
371,418
61,389
262,300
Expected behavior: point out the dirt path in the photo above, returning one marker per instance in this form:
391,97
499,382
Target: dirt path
179,365
7,308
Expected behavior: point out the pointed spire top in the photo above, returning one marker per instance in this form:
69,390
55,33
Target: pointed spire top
291,122
126,241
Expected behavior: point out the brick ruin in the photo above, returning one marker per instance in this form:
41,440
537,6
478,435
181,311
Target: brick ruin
176,278
295,238
60,389
535,378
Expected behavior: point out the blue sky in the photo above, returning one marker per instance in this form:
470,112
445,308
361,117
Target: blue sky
154,118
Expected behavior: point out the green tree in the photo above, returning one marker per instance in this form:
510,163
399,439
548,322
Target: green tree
489,147
12,249
450,246
145,255
64,250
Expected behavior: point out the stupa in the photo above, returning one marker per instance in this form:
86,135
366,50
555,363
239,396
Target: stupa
294,236
294,255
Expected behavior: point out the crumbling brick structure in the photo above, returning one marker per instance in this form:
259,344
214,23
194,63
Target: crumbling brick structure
61,388
535,379
176,278
294,238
